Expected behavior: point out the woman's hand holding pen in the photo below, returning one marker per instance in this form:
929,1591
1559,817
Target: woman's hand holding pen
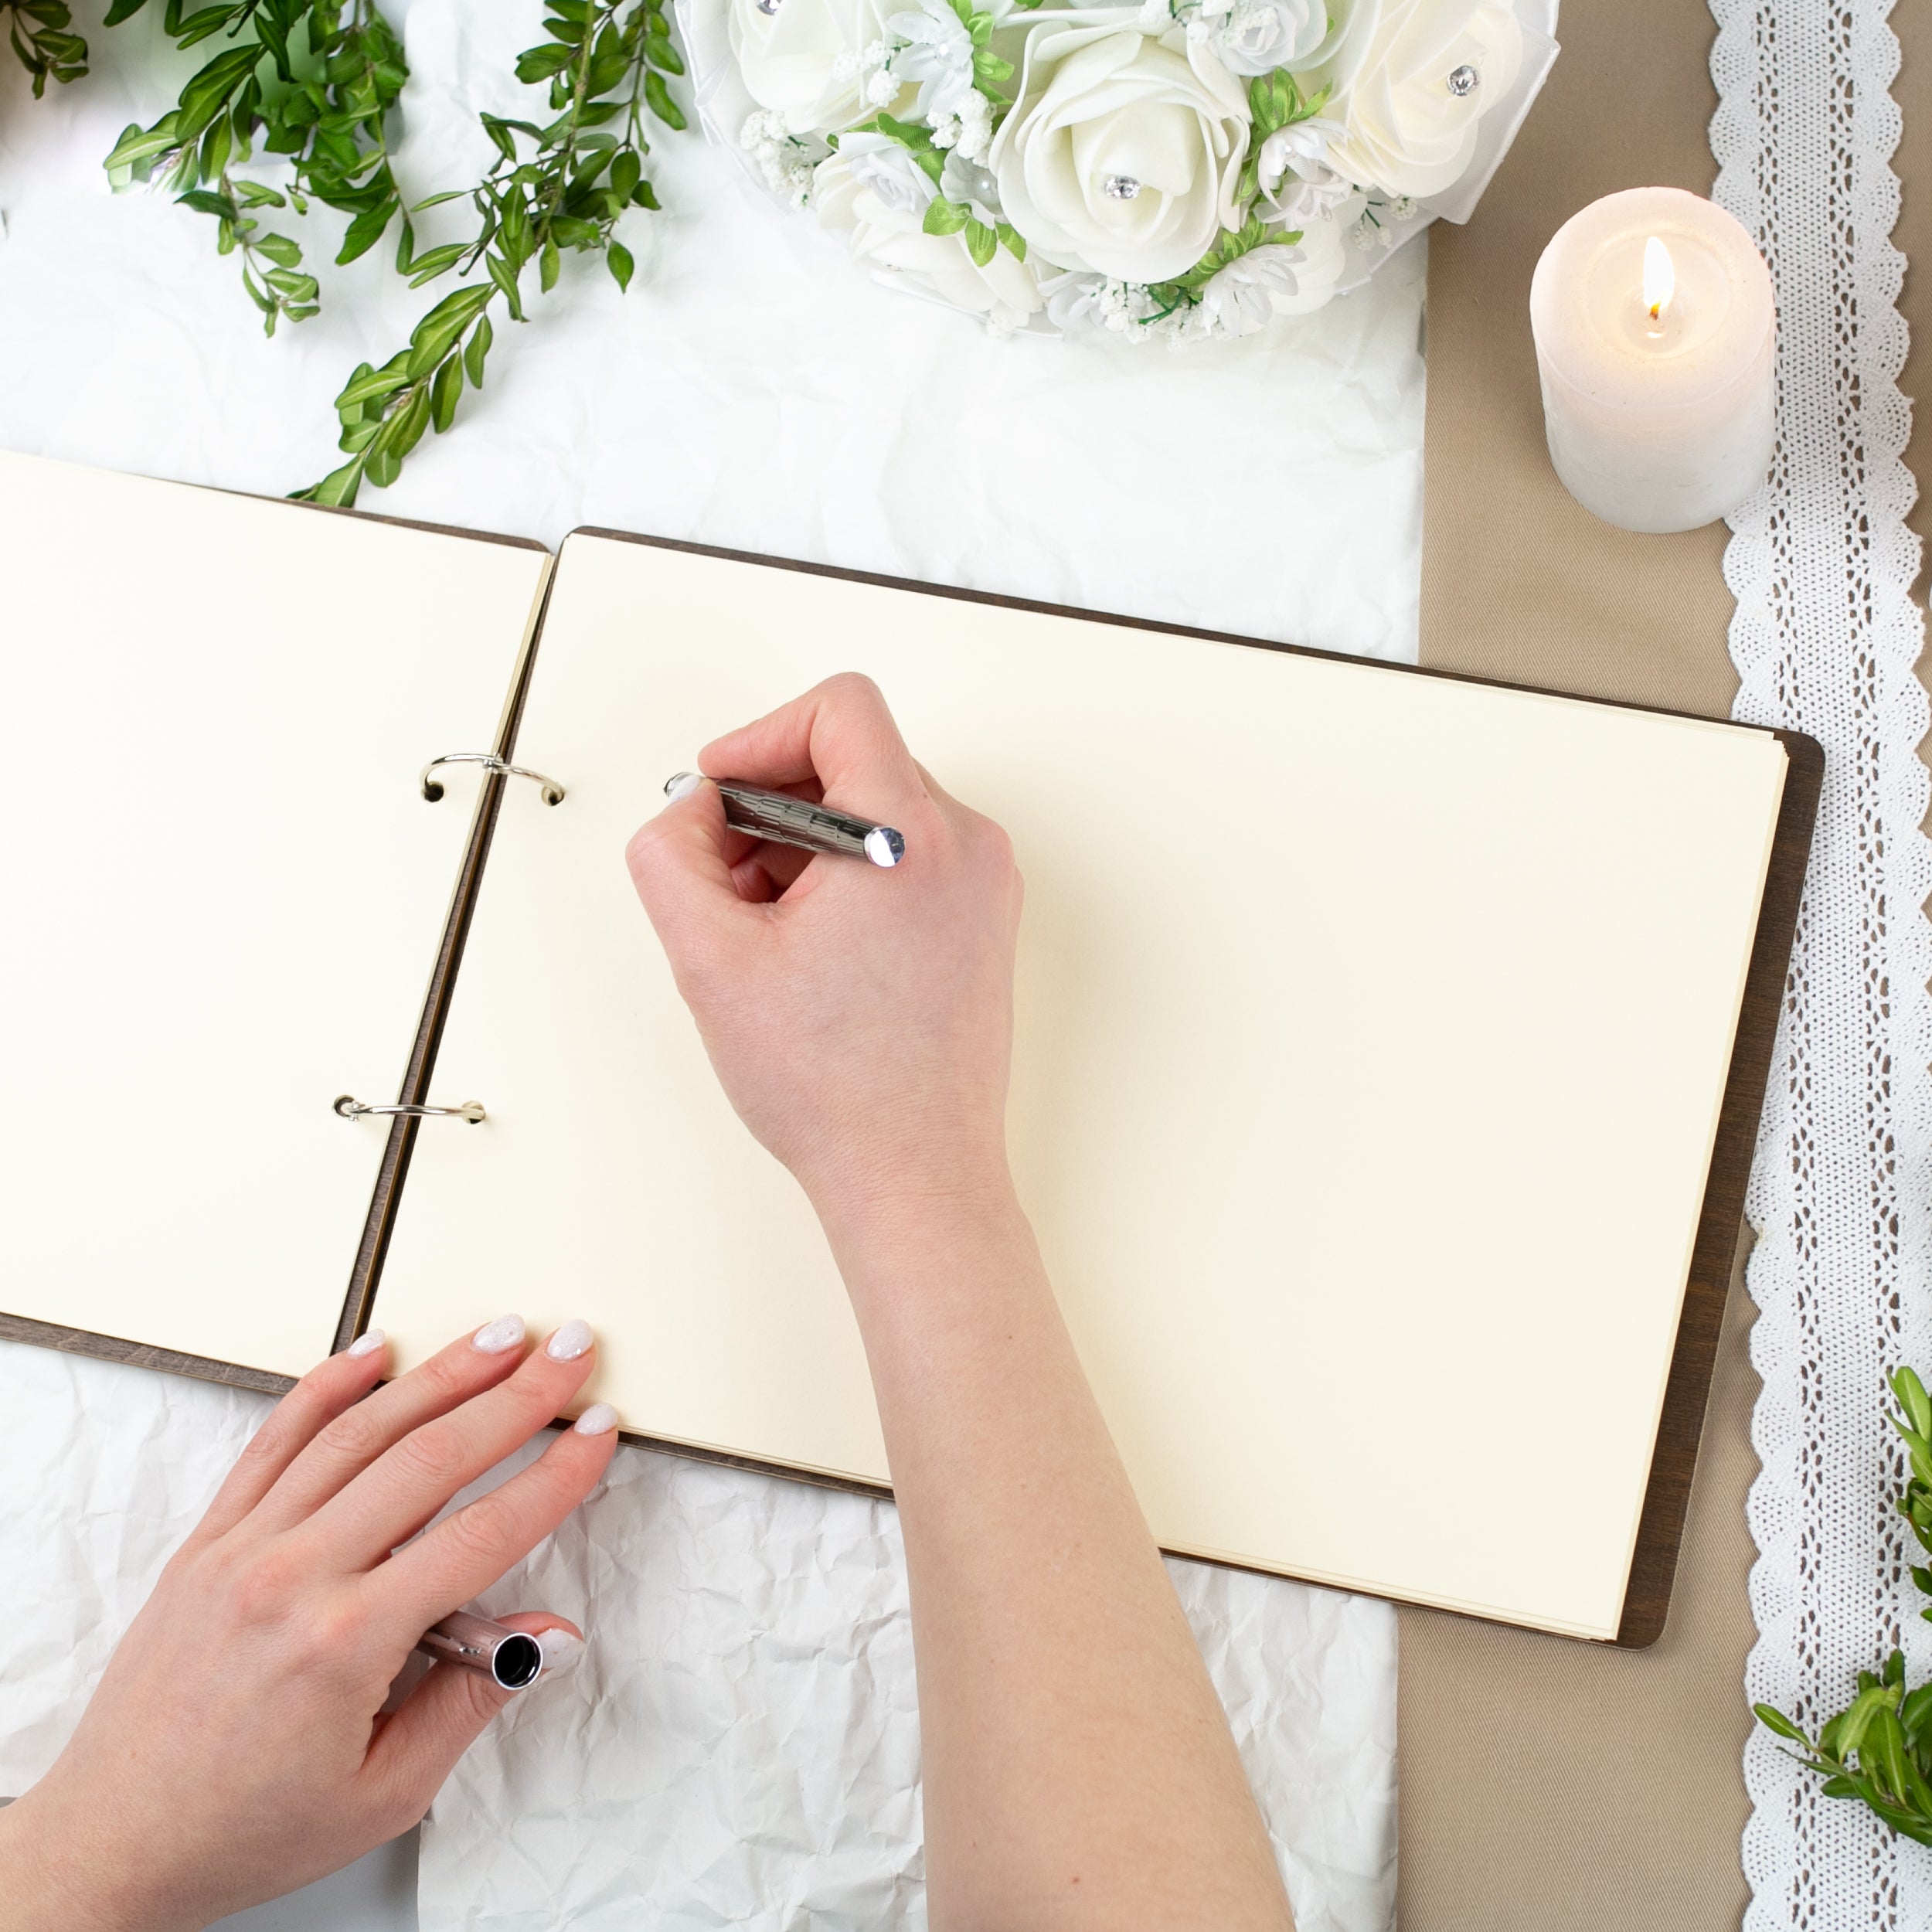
237,1745
860,1019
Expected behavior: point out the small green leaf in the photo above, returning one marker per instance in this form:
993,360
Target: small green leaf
479,347
279,249
1872,1698
944,217
980,241
1011,241
658,98
207,95
443,392
1913,1400
138,143
405,428
436,261
367,385
550,265
367,229
499,273
540,63
1776,1720
338,488
622,263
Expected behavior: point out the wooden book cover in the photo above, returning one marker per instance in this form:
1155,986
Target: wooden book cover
1365,1102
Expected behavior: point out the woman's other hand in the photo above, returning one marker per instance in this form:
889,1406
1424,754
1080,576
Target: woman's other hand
237,1745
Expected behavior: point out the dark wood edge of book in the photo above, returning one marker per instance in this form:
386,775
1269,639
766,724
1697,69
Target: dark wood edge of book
140,1355
373,516
1660,1530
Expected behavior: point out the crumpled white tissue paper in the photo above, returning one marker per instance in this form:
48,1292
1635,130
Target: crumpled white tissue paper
739,1743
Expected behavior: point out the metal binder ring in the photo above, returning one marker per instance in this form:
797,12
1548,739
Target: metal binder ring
351,1109
433,790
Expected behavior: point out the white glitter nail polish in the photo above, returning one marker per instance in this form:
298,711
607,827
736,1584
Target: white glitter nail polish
574,1339
497,1337
369,1344
561,1649
599,1419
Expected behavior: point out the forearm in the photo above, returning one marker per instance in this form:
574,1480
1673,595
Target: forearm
61,1879
1078,1768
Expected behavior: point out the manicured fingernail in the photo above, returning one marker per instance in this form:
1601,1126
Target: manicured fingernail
574,1338
494,1338
370,1343
599,1419
683,785
561,1649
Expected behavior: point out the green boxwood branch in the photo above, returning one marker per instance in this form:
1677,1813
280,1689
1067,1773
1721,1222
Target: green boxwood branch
564,185
1877,1750
38,30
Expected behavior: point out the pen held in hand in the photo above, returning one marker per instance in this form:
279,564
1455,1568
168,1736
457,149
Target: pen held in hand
786,821
511,1659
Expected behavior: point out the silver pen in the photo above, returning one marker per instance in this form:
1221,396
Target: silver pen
786,821
514,1661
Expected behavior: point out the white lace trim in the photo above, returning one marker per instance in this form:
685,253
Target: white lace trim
1824,639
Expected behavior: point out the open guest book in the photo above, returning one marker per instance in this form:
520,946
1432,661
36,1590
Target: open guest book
1384,1097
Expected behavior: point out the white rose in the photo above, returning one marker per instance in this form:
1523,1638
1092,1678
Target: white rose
878,163
890,239
1258,36
802,59
1411,78
1122,151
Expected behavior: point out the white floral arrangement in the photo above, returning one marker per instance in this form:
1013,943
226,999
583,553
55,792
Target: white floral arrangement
1166,169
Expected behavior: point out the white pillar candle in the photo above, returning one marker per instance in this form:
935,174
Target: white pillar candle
1658,403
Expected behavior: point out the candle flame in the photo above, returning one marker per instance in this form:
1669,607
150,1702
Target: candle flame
1660,278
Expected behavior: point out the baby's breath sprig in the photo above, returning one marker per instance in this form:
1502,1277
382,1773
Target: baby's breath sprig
1877,1750
605,61
38,31
314,81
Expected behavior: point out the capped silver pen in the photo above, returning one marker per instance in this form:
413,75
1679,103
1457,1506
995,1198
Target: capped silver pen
786,821
511,1659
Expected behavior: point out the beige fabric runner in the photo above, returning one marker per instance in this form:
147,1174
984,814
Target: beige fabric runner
1548,1783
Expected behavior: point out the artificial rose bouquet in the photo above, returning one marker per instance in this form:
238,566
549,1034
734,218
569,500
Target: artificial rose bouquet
1164,169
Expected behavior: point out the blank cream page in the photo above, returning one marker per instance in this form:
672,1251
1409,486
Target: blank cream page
1372,1033
223,891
